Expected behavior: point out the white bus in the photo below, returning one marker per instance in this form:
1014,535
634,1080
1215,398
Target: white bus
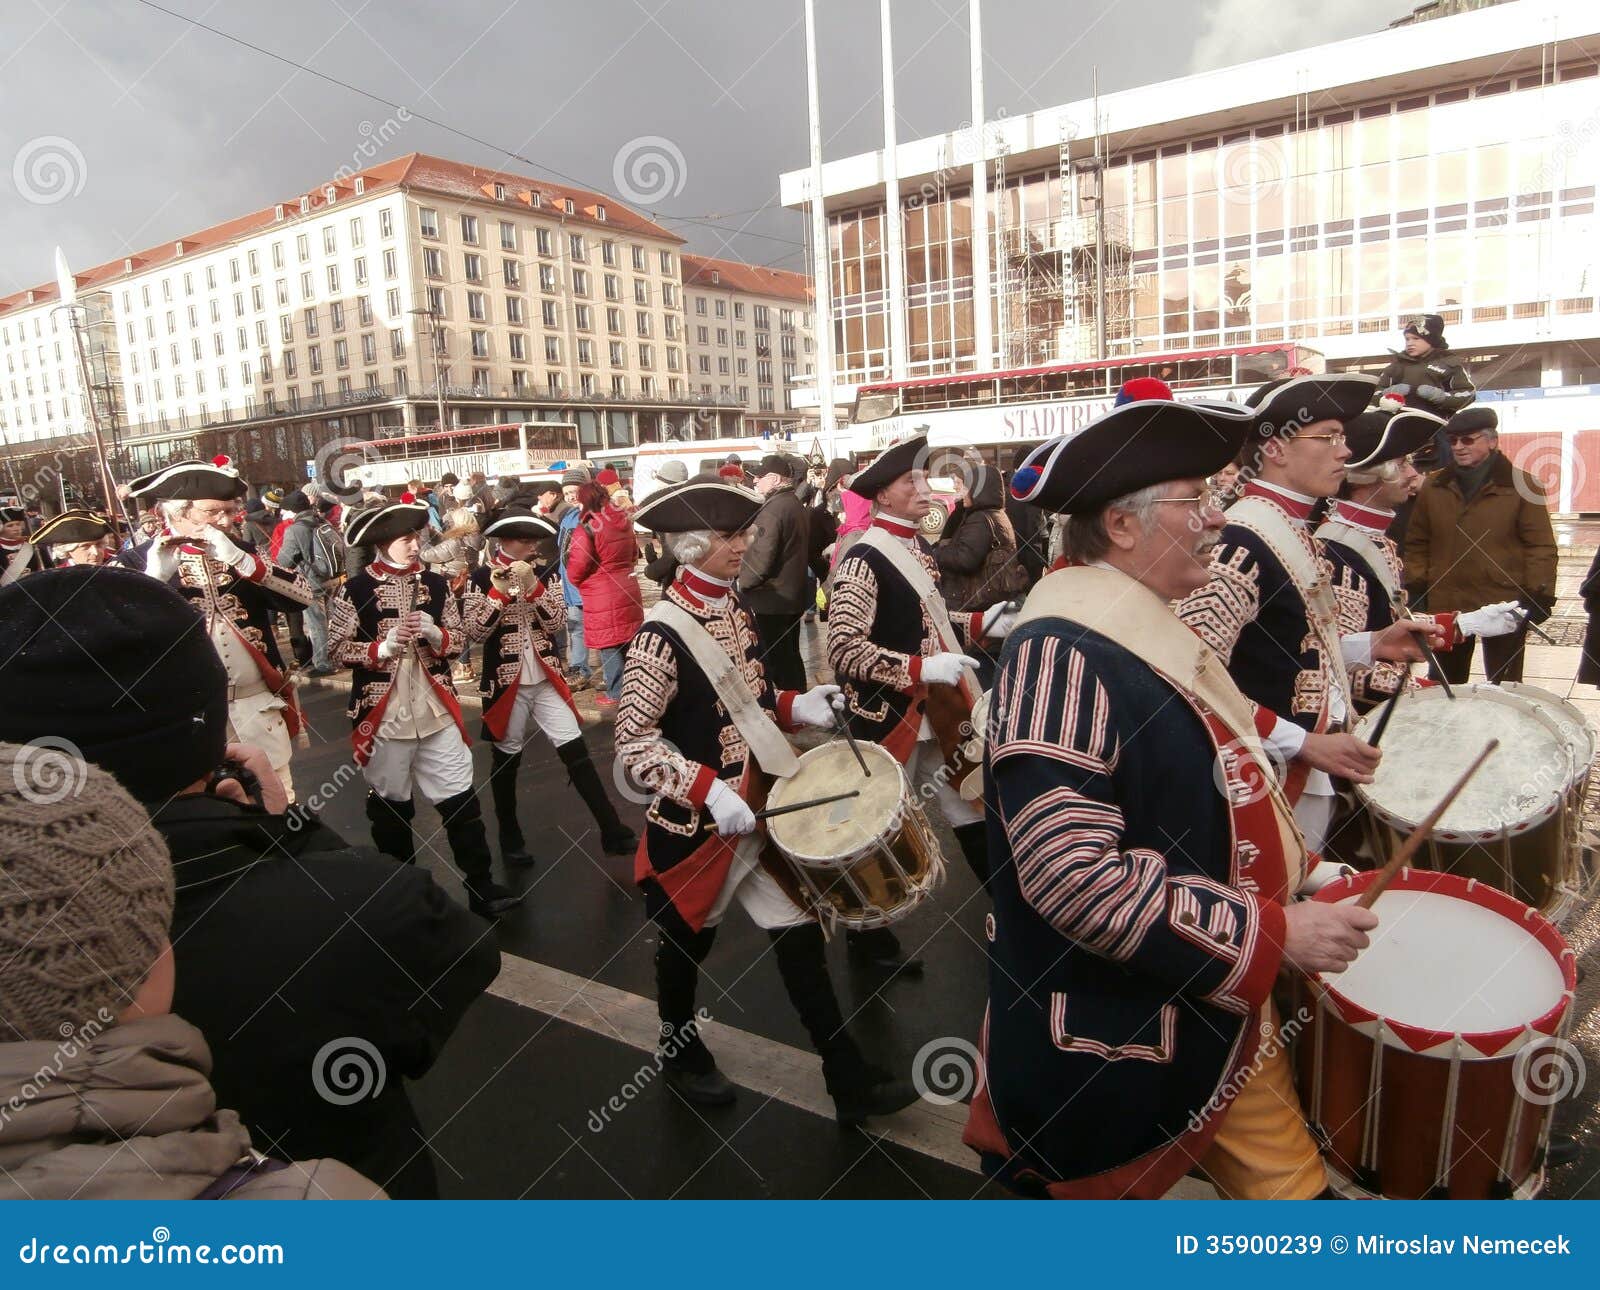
639,465
528,451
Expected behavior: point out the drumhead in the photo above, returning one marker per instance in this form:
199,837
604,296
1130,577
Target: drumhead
839,830
1438,962
1431,739
1569,718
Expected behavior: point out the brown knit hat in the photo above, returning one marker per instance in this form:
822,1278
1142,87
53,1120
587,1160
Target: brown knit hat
85,893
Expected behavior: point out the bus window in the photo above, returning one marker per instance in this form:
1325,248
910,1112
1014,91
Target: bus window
1253,369
875,407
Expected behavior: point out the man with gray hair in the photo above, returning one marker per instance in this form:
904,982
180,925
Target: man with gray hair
235,590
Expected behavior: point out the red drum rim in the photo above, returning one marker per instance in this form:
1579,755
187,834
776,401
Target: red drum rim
1493,1043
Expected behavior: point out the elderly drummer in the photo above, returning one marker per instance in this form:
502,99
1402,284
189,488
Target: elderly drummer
1144,860
699,725
75,537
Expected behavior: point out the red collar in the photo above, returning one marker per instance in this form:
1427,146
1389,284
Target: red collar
381,568
900,528
1362,517
701,588
501,558
1297,505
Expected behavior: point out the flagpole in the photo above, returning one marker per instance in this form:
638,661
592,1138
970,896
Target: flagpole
69,300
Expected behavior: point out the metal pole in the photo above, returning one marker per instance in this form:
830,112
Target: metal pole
93,418
821,253
436,344
982,285
893,219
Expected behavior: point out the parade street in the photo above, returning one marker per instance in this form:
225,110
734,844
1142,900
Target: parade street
521,1101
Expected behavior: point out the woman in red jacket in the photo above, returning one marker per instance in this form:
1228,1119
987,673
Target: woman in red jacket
600,564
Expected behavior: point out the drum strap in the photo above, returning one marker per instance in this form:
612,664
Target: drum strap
1129,614
1363,544
1298,557
17,565
912,570
760,732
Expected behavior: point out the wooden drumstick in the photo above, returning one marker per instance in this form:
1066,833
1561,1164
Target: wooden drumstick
806,805
1427,650
1419,835
1383,718
843,723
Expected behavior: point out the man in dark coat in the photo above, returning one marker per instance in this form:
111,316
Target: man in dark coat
322,976
773,575
1480,534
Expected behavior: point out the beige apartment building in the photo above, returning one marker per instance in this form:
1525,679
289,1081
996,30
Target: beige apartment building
749,337
355,310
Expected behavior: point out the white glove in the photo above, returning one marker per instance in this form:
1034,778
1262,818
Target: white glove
998,620
945,669
1499,619
733,816
222,547
391,646
430,632
817,705
161,561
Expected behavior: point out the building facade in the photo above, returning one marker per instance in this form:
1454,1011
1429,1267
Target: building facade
356,310
749,337
1322,196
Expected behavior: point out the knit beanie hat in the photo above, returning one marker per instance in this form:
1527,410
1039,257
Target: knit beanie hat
85,894
119,666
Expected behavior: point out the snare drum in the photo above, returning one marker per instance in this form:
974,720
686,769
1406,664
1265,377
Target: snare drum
1432,1064
1510,826
1584,872
865,862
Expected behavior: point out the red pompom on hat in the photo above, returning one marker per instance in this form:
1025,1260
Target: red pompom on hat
1142,389
408,498
731,472
607,477
221,461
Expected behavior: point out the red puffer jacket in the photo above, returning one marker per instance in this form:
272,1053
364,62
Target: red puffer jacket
600,565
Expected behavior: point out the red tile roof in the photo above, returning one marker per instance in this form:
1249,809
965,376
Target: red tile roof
416,172
752,278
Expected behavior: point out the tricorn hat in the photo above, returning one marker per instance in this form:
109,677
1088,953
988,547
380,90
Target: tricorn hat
387,521
1377,436
891,463
1289,404
713,504
191,481
72,527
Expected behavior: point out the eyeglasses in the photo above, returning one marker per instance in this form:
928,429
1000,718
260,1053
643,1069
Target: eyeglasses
1211,499
1463,438
1337,438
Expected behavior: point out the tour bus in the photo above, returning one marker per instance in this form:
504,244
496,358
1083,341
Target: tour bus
528,451
638,466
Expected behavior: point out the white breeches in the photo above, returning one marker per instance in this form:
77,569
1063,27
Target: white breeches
757,891
439,765
258,719
541,705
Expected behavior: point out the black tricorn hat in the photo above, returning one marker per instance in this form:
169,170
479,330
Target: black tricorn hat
13,515
1290,404
1471,421
520,522
892,462
713,504
1132,447
191,481
72,527
387,521
1377,436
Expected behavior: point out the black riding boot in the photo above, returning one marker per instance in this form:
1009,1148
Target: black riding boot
973,839
690,1068
391,827
616,838
503,768
469,845
879,948
858,1089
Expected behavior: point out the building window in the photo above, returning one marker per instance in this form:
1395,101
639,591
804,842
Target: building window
613,287
289,364
547,277
641,323
474,267
360,267
553,382
552,349
364,310
357,236
475,307
608,254
397,342
666,261
469,229
401,381
314,358
722,309
333,279
619,386
329,245
641,292
508,235
586,352
700,305
428,221
519,381
515,312
580,282
586,384
583,317
480,344
647,356
511,273
385,223
436,302
640,264
519,347
541,237
390,266
341,353
575,247
432,262
550,314
614,321
286,329
669,295
392,301
619,354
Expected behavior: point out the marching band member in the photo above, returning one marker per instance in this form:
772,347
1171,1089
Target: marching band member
397,628
75,537
518,613
1143,856
698,725
17,555
1269,608
234,588
890,641
1368,578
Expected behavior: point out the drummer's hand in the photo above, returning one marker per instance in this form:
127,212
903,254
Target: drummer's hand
998,620
1343,755
1399,643
1325,938
945,669
732,814
817,706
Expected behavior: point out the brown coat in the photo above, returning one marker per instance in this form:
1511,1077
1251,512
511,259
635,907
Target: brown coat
128,1113
1498,546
